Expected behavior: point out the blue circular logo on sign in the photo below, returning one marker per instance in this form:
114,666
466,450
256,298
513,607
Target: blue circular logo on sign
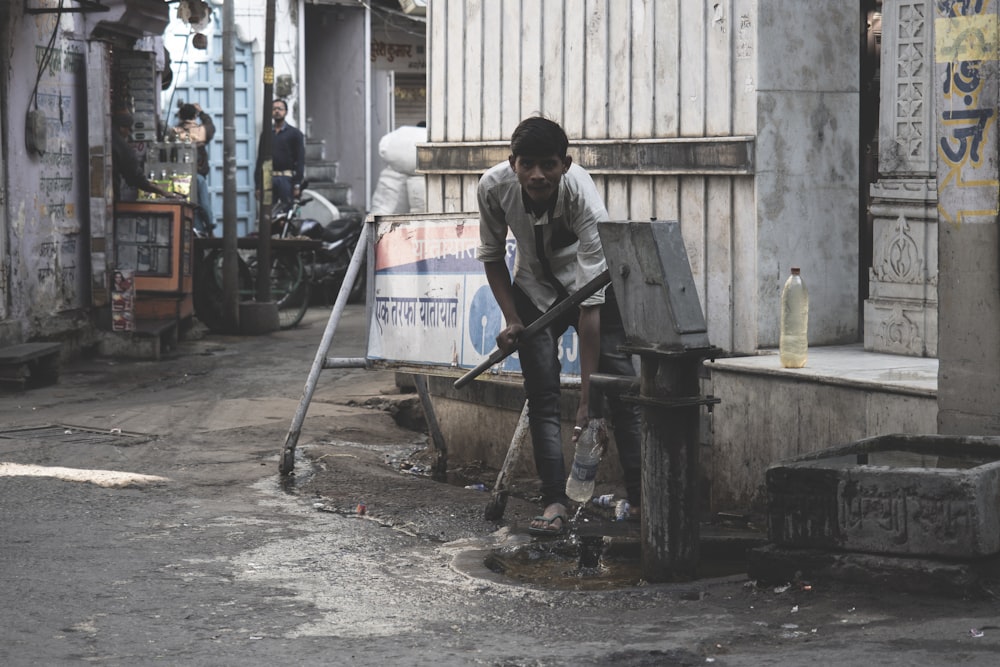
485,319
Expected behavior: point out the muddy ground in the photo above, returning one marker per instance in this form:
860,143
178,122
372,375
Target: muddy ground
226,562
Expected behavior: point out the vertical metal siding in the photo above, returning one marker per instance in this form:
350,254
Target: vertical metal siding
717,294
475,33
574,65
607,70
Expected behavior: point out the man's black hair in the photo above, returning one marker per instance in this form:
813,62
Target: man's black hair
187,112
539,136
284,104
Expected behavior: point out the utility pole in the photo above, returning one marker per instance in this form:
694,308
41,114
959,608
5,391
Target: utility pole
267,194
261,316
230,274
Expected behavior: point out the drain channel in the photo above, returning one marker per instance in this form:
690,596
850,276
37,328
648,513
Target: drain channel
75,435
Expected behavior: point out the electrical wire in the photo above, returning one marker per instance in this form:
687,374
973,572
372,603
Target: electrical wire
187,72
47,56
389,14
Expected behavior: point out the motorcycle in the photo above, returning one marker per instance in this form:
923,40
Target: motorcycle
338,237
294,272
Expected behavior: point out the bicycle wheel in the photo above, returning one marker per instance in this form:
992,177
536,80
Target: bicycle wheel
289,287
208,295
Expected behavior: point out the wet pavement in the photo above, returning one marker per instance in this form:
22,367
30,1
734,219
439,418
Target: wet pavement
214,559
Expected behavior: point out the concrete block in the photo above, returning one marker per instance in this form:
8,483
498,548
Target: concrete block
128,346
258,317
773,565
837,499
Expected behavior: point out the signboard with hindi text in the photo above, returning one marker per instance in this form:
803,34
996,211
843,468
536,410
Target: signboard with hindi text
430,304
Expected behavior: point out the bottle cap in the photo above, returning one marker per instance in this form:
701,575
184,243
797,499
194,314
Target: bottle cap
795,270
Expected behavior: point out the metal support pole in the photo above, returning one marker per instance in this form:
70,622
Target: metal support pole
440,468
287,463
266,195
230,262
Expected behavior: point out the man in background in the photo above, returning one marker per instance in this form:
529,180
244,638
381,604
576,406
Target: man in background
288,158
197,127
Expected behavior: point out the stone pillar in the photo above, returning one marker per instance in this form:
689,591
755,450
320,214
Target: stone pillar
901,311
966,87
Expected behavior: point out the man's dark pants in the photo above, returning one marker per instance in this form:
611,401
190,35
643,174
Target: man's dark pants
540,369
282,189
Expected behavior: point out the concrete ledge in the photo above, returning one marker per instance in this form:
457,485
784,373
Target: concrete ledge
769,413
844,366
29,365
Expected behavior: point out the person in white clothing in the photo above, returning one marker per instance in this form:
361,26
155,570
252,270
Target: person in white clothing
552,207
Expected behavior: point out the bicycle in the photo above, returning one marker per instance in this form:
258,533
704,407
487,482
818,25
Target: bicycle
292,272
290,288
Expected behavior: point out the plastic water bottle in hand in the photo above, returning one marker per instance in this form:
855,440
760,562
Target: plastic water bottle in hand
590,447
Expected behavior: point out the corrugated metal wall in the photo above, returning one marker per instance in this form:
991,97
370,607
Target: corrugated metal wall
659,76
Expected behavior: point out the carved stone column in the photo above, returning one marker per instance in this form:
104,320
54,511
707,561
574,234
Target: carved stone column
901,311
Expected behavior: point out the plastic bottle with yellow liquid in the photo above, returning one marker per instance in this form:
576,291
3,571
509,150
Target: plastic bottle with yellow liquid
793,344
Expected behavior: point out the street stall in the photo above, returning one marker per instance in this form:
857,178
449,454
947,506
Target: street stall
151,276
153,244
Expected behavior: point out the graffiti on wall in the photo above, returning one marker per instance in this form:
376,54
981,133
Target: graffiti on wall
56,260
965,44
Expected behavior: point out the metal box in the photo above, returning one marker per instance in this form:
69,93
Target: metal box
653,284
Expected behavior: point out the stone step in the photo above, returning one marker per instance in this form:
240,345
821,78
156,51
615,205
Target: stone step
29,365
902,495
150,340
315,150
321,171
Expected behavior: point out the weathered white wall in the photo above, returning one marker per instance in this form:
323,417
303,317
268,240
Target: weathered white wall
249,17
807,163
45,203
782,71
338,57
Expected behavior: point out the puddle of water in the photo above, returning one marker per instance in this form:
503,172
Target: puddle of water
596,563
557,565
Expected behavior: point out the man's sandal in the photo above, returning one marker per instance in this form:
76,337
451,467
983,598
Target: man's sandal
549,531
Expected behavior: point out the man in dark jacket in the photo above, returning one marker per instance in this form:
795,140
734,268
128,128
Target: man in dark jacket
288,157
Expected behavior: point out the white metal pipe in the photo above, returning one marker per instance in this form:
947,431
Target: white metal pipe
287,462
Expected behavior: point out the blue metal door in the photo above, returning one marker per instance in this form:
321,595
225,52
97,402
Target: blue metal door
198,77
